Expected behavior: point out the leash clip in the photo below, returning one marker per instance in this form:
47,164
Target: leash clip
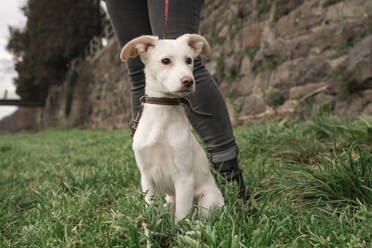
133,127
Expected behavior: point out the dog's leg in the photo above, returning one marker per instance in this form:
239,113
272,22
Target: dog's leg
206,203
149,187
184,196
211,199
172,201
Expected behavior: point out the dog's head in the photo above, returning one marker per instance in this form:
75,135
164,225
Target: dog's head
168,63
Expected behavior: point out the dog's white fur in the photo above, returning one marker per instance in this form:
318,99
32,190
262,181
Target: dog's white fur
169,157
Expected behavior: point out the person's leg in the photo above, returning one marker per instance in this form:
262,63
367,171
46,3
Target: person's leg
216,133
130,19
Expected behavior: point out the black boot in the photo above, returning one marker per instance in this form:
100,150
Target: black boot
231,172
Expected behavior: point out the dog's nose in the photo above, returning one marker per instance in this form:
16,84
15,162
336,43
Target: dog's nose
187,81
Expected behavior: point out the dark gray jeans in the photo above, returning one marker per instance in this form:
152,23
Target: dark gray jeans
132,18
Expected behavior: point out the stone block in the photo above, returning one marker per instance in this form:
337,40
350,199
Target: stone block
323,98
232,66
244,9
297,48
310,70
287,108
277,49
252,35
347,10
284,7
327,3
352,106
359,64
367,96
224,31
261,82
286,25
211,67
281,78
301,20
253,104
328,37
206,25
244,86
246,66
368,109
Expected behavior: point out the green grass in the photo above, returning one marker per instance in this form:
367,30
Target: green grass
312,182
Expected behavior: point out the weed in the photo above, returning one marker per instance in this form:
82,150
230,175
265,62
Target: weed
238,106
274,98
323,109
347,84
236,27
220,40
252,52
215,38
263,6
5,148
220,68
341,49
342,179
357,40
230,53
271,64
344,46
257,70
234,75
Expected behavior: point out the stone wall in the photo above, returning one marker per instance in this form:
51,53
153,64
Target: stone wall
96,94
274,58
271,58
22,120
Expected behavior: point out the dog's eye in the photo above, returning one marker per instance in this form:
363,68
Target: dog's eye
188,61
166,61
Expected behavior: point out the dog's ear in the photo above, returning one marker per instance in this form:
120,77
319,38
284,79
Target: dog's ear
138,46
198,43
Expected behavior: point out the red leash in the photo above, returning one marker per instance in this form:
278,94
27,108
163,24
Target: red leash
166,6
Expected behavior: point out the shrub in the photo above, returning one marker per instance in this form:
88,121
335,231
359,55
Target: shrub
274,98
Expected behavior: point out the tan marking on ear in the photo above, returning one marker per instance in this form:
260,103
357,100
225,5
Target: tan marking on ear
138,46
198,43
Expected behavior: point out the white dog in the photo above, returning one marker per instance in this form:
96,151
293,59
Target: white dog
168,155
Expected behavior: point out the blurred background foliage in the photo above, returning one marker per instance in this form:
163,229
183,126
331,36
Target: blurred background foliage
55,33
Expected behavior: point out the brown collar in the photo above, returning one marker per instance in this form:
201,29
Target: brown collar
164,101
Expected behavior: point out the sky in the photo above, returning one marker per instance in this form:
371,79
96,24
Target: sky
10,14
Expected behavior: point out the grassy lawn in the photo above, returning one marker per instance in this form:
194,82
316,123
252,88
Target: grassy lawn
312,182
